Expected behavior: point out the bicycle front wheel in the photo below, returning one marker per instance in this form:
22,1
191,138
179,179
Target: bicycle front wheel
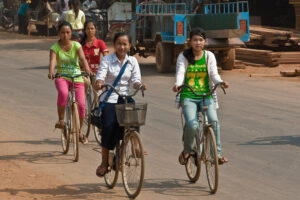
211,160
132,164
97,131
85,129
65,133
75,131
111,177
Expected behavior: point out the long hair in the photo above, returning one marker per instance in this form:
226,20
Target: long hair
188,53
84,28
76,5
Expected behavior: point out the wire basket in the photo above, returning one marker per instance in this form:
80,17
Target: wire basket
131,114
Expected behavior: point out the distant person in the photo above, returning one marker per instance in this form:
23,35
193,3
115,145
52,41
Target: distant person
93,48
62,6
23,14
64,14
76,17
89,5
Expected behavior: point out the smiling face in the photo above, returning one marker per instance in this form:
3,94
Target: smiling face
90,30
65,33
197,42
122,46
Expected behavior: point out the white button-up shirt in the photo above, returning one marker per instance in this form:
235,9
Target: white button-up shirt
109,69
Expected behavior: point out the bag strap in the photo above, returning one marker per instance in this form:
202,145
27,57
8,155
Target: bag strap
111,90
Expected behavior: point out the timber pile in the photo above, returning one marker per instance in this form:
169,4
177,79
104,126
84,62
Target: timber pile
266,57
289,57
273,39
290,74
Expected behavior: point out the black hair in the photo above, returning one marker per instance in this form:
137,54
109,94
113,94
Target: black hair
76,5
188,53
64,23
70,3
121,34
84,34
63,3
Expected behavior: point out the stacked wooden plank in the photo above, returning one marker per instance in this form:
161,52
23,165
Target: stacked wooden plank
289,57
266,57
273,38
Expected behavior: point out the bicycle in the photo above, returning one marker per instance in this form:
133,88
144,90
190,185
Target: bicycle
128,156
72,126
205,147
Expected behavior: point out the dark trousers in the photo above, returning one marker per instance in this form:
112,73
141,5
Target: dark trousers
111,132
23,24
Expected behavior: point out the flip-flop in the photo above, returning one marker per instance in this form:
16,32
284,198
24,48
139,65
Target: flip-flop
60,124
83,139
222,160
182,160
98,172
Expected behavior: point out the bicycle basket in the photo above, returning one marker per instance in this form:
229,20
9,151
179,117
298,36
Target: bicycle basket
131,114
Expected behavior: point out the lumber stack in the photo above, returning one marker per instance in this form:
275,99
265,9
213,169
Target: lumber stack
265,57
272,38
289,57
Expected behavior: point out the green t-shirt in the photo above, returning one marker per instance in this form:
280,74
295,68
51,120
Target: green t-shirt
67,62
196,77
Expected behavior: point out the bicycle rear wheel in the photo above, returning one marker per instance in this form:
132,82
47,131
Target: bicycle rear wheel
111,177
75,131
86,126
132,164
193,167
65,133
211,160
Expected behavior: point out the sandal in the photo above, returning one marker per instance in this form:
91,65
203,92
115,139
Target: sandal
60,124
182,159
83,139
222,160
101,170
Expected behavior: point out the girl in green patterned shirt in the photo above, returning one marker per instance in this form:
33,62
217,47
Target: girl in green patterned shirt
198,68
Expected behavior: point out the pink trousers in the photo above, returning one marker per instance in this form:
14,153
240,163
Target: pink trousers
63,86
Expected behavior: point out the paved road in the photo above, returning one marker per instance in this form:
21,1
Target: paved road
259,123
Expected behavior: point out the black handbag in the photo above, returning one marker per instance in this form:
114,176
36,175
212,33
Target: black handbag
97,111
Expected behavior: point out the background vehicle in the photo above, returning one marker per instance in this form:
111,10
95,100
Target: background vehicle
8,13
162,27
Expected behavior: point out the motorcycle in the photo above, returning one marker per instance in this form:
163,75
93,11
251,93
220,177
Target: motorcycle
6,18
99,17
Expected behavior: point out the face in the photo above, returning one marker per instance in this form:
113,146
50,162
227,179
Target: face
65,33
90,30
122,46
197,43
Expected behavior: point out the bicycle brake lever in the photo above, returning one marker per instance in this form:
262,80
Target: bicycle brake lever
223,89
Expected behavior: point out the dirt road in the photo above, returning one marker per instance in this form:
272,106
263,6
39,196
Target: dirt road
259,124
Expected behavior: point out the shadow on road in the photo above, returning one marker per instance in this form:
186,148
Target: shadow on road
40,157
276,140
175,187
76,191
34,68
39,142
149,69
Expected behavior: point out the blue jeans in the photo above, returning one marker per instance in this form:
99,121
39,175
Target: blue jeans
190,108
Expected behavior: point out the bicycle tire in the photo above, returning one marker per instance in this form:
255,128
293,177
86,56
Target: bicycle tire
65,133
211,160
95,128
193,167
111,177
131,160
86,125
75,131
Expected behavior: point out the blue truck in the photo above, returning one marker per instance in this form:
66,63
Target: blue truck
161,28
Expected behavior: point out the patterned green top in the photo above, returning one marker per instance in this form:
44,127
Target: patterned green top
196,77
67,62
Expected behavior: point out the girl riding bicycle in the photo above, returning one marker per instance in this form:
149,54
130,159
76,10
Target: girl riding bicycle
108,71
66,54
198,68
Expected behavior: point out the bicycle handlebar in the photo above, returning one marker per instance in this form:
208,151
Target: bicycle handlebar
221,84
57,75
107,86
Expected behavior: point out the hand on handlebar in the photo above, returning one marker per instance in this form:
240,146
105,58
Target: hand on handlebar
138,85
225,85
98,85
175,88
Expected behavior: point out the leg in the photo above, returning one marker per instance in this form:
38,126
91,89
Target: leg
189,109
63,93
213,119
102,169
80,98
87,84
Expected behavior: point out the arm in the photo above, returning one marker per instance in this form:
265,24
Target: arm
83,61
136,78
213,73
101,74
52,64
103,48
180,71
